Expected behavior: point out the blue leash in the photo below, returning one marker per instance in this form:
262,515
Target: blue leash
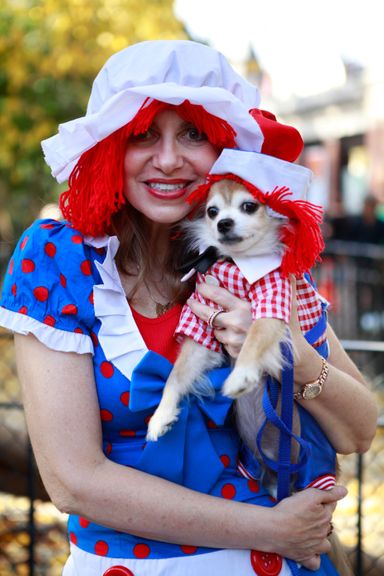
283,467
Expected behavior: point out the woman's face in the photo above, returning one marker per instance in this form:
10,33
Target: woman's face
164,165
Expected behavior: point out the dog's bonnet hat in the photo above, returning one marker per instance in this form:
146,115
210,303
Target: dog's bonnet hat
170,71
265,172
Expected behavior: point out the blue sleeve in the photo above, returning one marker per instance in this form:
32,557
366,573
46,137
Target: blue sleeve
49,279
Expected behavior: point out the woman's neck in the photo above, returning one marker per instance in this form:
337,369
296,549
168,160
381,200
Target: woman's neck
150,293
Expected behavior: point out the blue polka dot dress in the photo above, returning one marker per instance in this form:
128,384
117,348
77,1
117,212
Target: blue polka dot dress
65,289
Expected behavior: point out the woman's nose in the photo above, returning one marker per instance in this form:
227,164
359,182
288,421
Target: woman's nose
168,157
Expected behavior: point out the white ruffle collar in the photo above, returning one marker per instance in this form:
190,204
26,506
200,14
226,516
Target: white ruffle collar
119,335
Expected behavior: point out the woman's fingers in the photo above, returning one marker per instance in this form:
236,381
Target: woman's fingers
231,324
305,522
236,314
222,297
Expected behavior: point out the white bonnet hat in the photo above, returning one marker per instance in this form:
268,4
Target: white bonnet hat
167,70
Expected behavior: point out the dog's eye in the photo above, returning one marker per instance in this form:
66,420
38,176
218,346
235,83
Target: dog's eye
212,212
249,207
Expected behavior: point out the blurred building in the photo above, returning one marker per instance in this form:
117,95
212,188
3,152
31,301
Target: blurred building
343,130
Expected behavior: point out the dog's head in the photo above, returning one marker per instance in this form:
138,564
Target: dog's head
237,224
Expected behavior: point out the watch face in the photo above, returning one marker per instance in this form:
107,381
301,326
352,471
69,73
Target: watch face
311,391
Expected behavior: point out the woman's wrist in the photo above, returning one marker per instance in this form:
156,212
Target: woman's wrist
308,368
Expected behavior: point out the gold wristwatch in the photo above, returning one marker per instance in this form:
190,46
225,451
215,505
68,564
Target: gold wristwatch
312,390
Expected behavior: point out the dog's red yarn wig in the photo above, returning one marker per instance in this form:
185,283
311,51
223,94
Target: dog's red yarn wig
300,233
96,184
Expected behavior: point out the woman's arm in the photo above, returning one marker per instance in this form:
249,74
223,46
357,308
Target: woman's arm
346,409
63,419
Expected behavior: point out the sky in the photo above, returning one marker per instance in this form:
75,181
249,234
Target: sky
301,43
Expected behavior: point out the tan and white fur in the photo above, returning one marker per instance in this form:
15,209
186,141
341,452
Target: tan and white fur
237,225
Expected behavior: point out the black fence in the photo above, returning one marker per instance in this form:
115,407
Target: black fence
32,533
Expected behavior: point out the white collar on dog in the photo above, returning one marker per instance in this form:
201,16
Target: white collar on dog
255,267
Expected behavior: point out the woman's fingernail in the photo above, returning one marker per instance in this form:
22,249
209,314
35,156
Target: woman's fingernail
212,280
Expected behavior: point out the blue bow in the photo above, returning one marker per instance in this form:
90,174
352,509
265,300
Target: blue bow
185,454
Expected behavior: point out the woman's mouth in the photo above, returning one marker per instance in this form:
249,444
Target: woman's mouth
168,190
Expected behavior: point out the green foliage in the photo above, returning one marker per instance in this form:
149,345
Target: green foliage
50,52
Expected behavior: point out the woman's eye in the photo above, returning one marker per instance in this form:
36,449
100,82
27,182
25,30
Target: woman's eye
212,212
195,135
249,207
143,137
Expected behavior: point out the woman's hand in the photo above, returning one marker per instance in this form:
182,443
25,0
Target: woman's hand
231,325
304,522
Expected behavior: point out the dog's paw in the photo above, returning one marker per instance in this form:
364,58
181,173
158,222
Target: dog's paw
241,381
160,423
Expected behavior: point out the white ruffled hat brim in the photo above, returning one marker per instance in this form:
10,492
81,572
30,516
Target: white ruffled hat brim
169,71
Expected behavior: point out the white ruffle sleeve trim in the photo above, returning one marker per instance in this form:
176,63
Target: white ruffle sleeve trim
119,335
51,337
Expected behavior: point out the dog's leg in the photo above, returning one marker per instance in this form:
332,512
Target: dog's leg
260,353
186,378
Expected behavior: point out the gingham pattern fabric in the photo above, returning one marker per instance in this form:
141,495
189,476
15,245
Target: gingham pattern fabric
270,297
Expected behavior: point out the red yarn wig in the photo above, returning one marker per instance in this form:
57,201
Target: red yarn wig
96,184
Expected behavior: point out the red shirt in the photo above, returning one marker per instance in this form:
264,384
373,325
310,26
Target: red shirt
158,333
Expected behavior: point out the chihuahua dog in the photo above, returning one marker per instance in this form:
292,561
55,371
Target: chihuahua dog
238,226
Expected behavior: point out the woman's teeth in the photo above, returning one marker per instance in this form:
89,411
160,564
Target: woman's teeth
166,187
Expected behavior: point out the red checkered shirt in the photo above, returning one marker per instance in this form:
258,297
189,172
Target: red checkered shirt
270,297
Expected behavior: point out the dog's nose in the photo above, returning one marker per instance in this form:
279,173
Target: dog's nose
225,225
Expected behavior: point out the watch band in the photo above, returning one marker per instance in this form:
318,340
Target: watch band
311,390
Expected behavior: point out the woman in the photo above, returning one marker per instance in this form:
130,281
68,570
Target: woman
94,302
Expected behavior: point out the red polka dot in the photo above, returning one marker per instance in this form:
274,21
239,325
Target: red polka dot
100,250
228,491
77,239
272,498
225,460
50,320
27,265
141,550
253,485
95,339
107,369
101,548
127,433
10,268
23,310
211,424
24,243
85,267
118,571
189,549
50,249
14,289
84,523
73,537
106,415
41,293
91,298
148,419
124,398
266,564
79,331
47,226
69,309
63,280
108,449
